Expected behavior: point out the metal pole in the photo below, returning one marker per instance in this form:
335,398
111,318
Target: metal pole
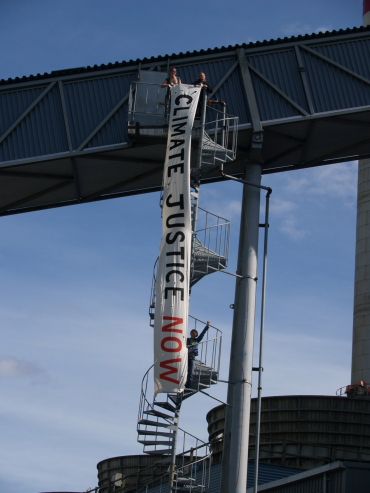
174,443
235,461
198,159
361,309
260,358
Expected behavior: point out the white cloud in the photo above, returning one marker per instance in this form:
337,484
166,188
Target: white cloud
306,189
291,228
296,28
12,367
281,207
334,181
318,368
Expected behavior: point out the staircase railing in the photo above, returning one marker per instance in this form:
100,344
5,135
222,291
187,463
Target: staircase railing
192,473
210,251
220,136
210,245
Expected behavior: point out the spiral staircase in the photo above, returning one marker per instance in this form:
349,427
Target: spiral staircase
184,460
188,458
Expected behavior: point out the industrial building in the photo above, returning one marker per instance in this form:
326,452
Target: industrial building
294,103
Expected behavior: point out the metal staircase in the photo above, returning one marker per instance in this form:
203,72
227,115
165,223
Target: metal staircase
158,420
158,429
219,139
210,249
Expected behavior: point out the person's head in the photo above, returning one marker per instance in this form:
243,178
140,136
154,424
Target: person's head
173,71
202,76
193,333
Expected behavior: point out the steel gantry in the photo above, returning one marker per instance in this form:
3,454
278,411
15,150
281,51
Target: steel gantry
301,102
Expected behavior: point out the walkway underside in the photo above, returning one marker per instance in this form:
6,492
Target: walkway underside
301,102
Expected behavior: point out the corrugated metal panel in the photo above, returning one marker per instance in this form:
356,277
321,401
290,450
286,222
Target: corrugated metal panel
214,69
267,473
233,93
271,104
42,132
350,54
90,101
114,131
281,68
306,430
331,88
328,481
14,103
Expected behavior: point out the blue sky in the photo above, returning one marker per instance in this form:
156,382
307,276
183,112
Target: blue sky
76,281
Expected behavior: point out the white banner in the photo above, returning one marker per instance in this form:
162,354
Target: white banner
173,273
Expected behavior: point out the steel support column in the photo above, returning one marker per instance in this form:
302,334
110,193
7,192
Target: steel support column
240,373
361,309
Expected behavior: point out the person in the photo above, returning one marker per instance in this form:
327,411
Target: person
203,81
206,89
172,80
192,345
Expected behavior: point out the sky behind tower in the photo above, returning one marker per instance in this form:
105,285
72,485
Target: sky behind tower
75,339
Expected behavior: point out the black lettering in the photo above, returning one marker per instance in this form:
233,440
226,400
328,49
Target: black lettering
179,203
174,273
181,252
180,155
174,168
171,218
174,292
183,96
178,129
176,143
172,239
176,110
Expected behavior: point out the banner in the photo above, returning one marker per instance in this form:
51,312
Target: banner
173,273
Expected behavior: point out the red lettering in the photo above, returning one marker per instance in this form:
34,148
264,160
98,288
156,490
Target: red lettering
171,369
165,340
176,321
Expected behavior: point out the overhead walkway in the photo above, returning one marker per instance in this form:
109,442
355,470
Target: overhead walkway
301,102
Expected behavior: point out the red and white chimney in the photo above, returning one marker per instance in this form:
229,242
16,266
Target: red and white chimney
366,12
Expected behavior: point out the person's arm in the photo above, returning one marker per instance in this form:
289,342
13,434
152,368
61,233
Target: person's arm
202,334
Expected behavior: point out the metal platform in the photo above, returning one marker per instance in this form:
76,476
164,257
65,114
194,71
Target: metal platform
301,102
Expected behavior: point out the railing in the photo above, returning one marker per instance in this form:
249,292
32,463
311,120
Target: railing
192,471
356,389
148,109
210,251
205,371
210,245
209,354
147,103
220,137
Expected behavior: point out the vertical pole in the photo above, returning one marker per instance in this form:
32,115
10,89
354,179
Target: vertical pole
236,435
196,169
260,359
174,443
361,310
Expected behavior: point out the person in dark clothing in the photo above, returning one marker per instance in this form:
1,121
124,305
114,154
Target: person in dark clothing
203,81
192,345
206,89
